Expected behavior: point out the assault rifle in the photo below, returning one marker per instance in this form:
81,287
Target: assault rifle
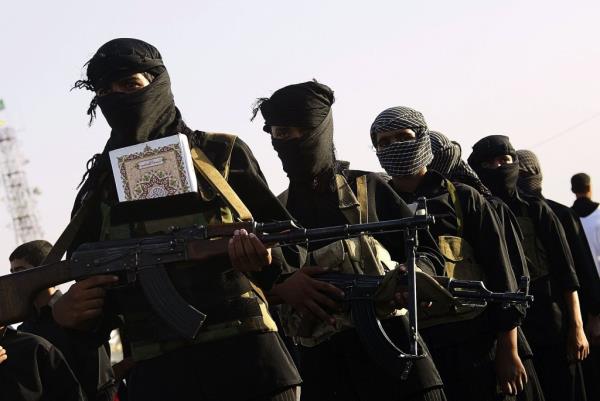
145,260
360,290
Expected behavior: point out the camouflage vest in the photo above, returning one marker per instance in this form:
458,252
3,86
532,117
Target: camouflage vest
231,301
361,255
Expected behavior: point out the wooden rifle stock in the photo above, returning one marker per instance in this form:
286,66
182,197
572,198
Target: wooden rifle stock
18,290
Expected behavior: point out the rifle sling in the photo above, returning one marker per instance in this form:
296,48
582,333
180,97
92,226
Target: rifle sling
219,184
222,187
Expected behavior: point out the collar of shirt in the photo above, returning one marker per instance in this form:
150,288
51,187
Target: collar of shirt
431,185
584,207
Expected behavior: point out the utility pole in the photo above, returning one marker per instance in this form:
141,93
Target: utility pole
19,197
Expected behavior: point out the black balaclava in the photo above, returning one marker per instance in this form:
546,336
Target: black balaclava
146,114
137,117
502,181
307,106
404,158
530,173
447,160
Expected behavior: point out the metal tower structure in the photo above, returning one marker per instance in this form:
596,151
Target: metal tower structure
19,197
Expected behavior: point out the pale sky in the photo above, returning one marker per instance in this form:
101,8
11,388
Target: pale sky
526,69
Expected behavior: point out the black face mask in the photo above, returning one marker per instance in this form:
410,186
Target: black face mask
502,181
137,117
304,158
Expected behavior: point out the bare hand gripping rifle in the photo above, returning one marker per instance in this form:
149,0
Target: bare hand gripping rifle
145,259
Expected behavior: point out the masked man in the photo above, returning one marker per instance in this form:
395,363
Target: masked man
554,321
447,161
530,181
335,365
473,245
237,354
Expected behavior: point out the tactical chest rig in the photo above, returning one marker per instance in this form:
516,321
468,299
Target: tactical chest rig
233,304
362,255
460,263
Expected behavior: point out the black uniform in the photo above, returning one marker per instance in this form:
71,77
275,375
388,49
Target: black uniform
448,161
252,366
258,364
340,368
35,370
463,351
550,266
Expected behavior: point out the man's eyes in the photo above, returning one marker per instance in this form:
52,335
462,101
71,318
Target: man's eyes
132,83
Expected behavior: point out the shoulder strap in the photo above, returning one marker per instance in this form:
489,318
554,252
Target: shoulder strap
348,204
218,147
219,183
68,235
363,199
457,207
283,197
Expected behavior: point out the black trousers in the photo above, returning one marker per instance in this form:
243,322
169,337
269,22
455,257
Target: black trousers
533,389
340,369
560,380
591,373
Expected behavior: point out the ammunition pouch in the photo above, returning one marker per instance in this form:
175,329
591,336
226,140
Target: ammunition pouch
459,263
362,255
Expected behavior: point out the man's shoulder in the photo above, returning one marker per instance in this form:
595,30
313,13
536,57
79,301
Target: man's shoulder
466,189
28,341
562,211
467,195
371,176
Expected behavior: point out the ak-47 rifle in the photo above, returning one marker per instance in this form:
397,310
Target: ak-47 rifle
145,259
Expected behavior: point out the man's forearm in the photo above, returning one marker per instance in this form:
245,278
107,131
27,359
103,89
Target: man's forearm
572,300
507,340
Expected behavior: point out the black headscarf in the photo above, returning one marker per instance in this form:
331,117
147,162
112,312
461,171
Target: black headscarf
307,106
447,160
530,172
137,117
502,181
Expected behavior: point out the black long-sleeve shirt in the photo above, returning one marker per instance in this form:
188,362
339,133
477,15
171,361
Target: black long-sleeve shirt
35,370
318,205
513,236
546,318
482,232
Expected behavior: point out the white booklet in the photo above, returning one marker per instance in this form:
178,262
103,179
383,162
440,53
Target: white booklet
154,169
